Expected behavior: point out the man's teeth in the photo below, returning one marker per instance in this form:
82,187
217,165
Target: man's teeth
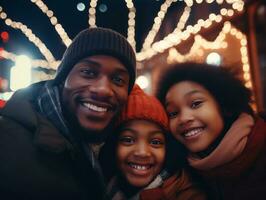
95,108
139,167
193,132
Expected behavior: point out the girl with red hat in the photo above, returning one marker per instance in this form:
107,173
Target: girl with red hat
137,171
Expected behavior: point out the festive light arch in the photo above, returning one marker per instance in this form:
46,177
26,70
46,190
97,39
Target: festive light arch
200,44
150,48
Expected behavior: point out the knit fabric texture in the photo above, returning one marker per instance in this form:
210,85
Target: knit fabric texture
143,106
98,41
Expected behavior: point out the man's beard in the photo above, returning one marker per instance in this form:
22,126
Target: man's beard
90,136
97,136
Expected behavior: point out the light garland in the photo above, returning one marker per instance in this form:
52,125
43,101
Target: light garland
176,38
131,23
7,55
201,44
157,24
34,62
131,20
92,13
50,14
197,48
28,33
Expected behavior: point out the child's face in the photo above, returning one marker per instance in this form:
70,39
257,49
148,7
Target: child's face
195,117
140,152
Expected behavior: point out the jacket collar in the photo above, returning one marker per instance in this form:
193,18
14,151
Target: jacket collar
20,109
48,138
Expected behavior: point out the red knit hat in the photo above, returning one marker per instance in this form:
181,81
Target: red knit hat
143,106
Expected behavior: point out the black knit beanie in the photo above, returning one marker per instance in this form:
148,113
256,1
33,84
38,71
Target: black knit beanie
95,41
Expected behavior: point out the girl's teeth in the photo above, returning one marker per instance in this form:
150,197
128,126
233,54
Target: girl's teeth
193,132
139,167
95,108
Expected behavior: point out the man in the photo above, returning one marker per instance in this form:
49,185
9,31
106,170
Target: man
49,130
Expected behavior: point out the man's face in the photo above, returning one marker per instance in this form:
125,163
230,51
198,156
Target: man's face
94,91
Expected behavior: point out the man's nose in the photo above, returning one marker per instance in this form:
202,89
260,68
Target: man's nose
102,87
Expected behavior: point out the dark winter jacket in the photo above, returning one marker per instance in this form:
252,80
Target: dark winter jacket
36,161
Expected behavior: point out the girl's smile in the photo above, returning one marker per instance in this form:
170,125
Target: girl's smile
195,117
140,152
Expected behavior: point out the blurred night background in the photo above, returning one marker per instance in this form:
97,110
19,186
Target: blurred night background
228,33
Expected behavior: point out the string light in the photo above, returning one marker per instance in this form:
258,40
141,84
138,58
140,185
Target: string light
58,27
244,53
202,44
131,20
34,62
172,39
131,23
28,33
157,24
148,50
92,13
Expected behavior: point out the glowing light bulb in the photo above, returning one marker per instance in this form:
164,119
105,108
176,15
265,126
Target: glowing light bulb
142,81
214,59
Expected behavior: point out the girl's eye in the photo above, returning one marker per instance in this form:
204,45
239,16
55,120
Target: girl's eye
157,142
172,115
196,104
126,140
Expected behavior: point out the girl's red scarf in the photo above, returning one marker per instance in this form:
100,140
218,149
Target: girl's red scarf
237,151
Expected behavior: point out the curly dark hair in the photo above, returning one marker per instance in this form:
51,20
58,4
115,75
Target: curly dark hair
229,92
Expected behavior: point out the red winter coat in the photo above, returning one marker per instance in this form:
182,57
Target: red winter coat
175,188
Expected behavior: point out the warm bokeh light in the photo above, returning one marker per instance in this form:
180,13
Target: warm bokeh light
214,59
20,74
182,32
81,6
143,81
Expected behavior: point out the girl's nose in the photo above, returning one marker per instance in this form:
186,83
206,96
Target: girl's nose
185,116
142,150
